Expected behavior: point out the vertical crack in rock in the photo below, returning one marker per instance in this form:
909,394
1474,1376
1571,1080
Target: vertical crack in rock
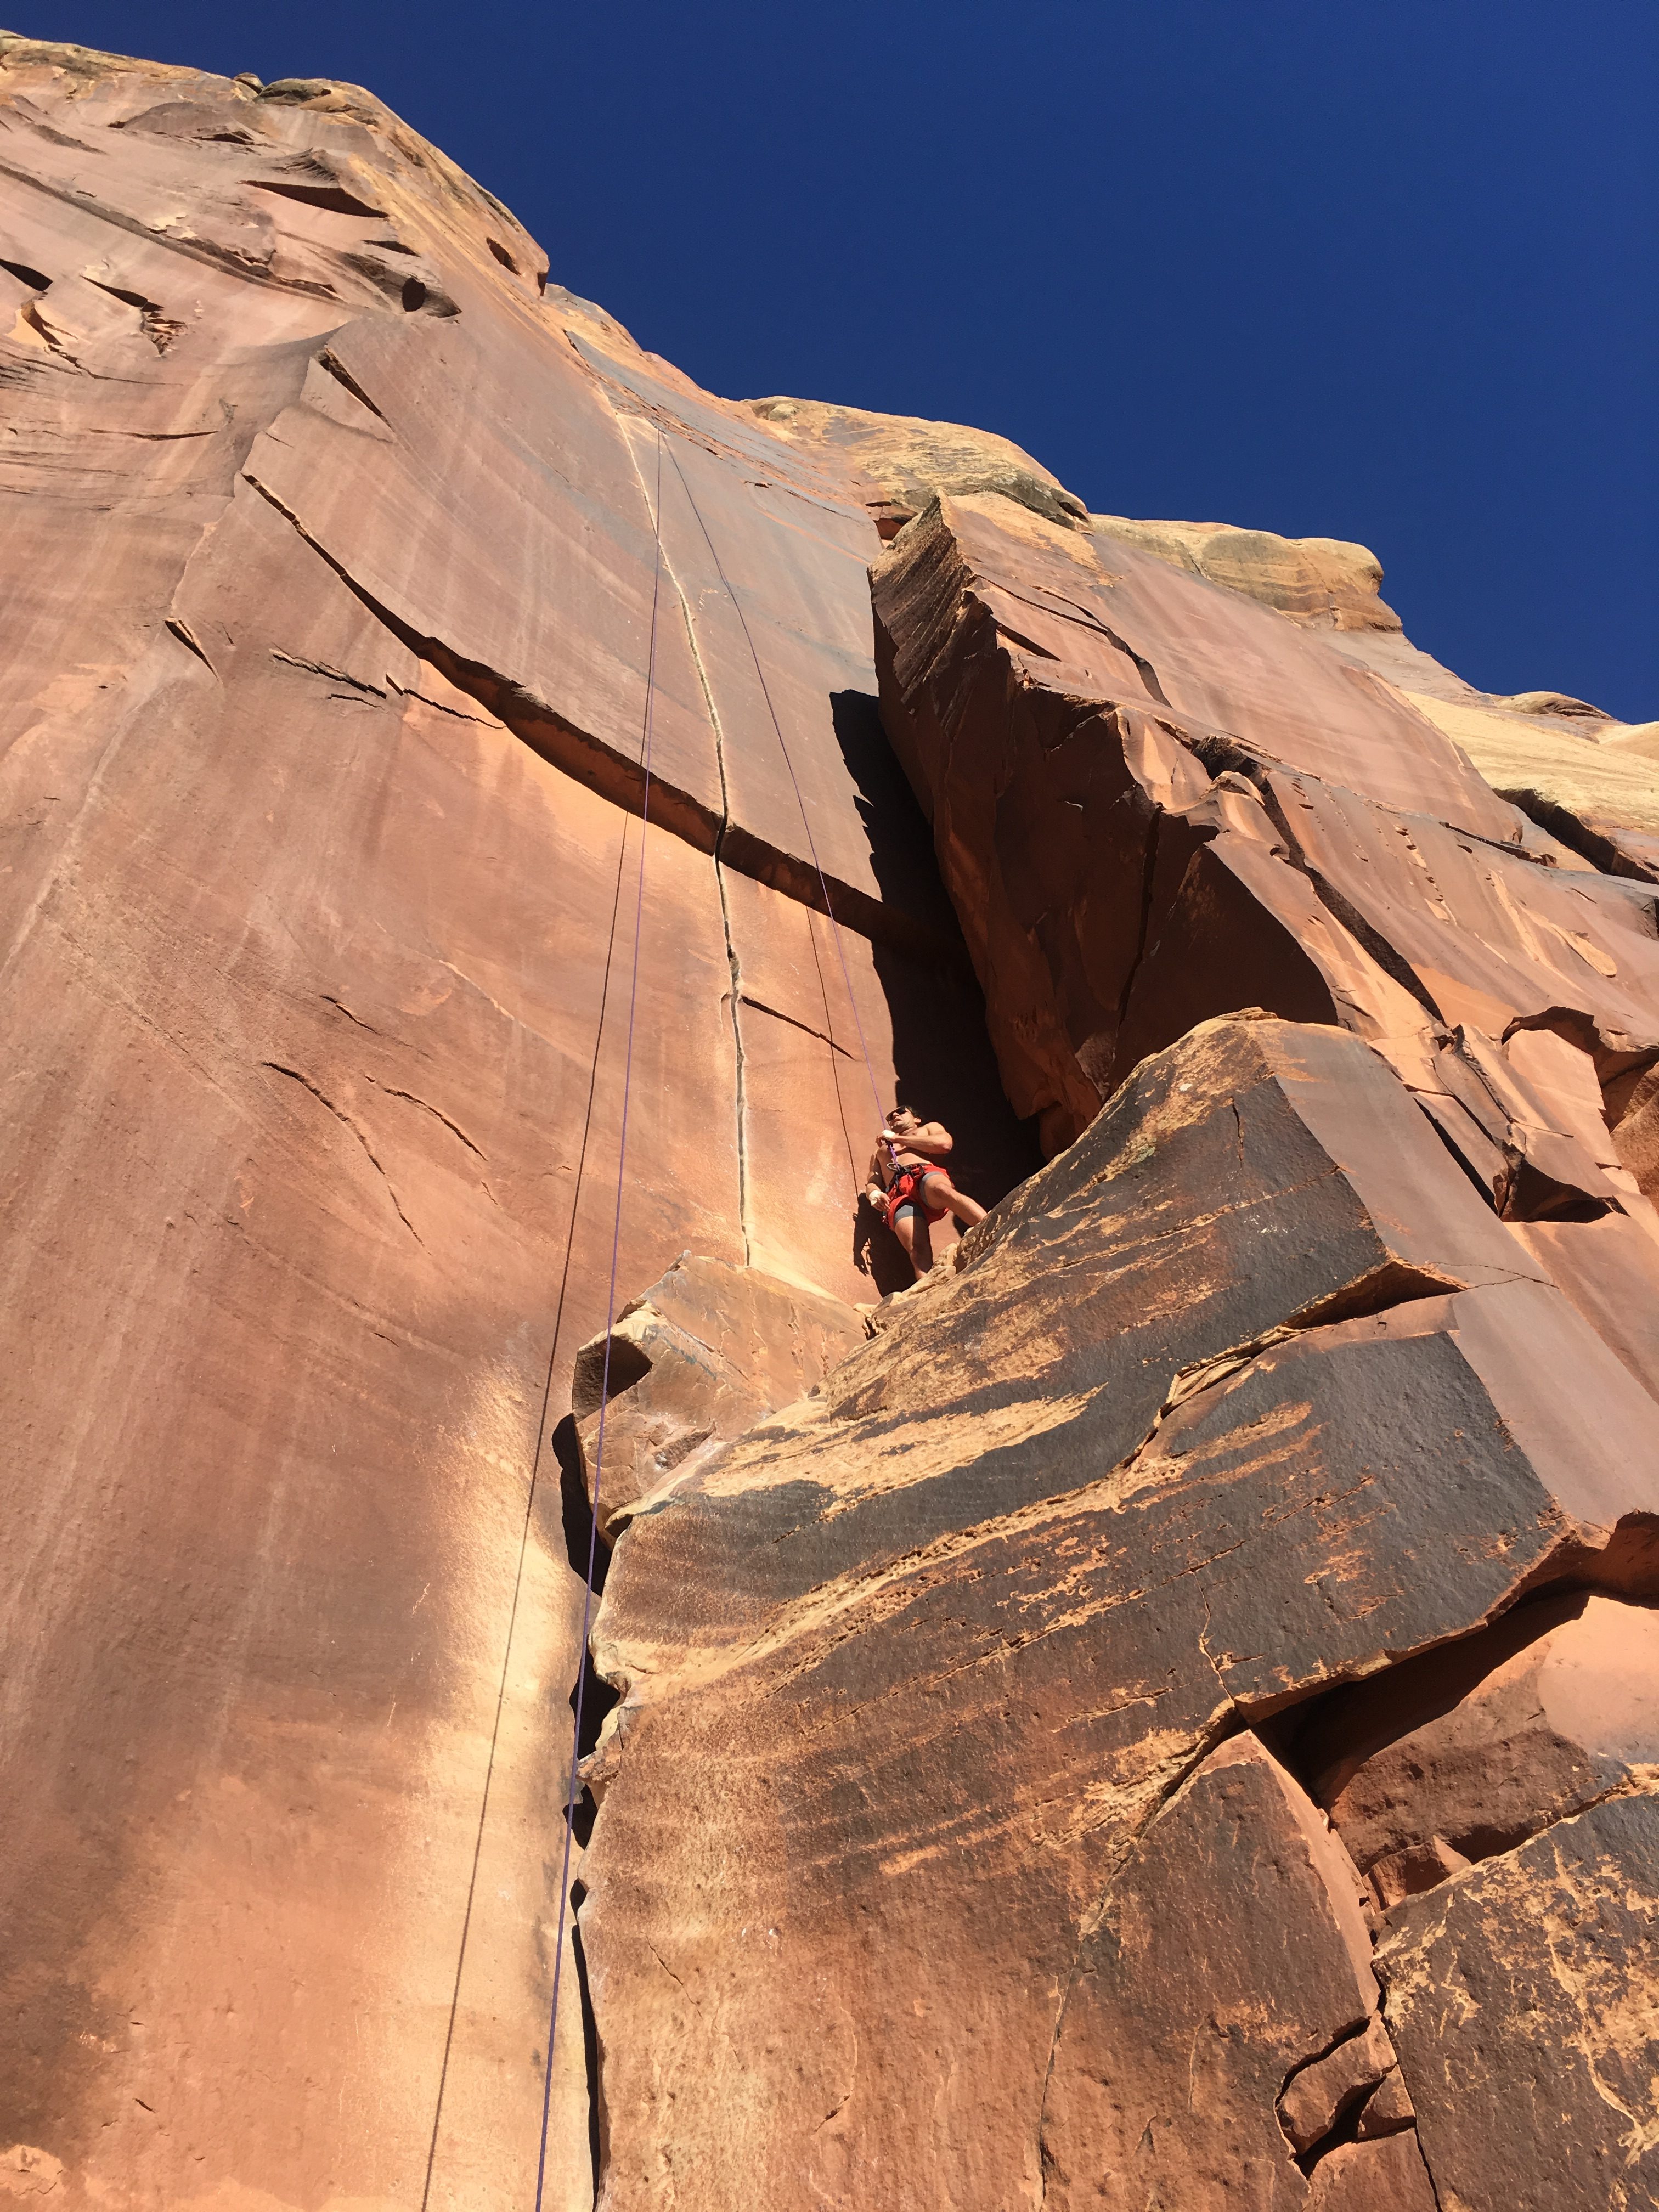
591,2053
734,994
1137,958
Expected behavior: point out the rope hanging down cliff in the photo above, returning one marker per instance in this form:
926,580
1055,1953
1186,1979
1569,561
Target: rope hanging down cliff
622,1159
610,1324
805,820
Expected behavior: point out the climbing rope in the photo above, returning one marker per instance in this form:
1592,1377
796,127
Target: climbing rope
806,819
622,1157
610,1323
528,1513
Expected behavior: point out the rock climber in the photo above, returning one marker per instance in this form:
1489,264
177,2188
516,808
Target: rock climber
908,1184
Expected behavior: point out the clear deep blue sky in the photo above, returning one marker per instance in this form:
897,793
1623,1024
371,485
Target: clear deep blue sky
1384,272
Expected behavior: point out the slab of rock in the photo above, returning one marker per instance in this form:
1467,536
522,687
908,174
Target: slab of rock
1182,2022
1609,1268
1488,937
951,1633
1582,777
1255,1175
1008,633
1156,802
1220,2032
1055,710
1521,1997
1468,1751
692,1362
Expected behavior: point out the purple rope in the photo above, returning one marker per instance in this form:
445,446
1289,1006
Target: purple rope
811,842
609,1323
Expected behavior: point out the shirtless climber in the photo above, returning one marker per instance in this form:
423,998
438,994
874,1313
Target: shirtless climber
910,1185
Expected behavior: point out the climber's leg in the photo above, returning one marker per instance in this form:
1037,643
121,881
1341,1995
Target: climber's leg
939,1191
910,1227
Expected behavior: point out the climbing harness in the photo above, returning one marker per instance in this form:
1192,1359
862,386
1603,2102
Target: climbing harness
908,1188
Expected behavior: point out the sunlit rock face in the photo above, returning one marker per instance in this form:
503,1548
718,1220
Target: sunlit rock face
1156,1712
1183,1592
330,569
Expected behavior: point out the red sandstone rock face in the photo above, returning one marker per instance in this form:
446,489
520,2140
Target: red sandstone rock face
1248,1395
328,572
1323,1357
702,1355
1155,801
1476,1749
1167,1718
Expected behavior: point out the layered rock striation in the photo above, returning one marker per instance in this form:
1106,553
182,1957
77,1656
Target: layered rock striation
1158,1711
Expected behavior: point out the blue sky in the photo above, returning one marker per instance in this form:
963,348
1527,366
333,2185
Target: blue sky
1381,272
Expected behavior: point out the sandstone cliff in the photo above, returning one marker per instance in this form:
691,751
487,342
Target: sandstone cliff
329,572
1158,1713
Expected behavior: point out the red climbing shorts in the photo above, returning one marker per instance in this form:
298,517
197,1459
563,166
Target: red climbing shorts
908,1189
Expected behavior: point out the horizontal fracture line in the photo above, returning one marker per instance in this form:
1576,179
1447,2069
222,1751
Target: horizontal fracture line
761,1007
588,760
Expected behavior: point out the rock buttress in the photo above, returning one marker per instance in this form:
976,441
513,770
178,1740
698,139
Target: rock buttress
1155,800
953,1819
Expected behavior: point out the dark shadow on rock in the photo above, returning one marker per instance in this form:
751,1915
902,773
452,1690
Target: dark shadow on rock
591,1697
577,1514
878,1253
598,1701
590,2032
900,844
942,1054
